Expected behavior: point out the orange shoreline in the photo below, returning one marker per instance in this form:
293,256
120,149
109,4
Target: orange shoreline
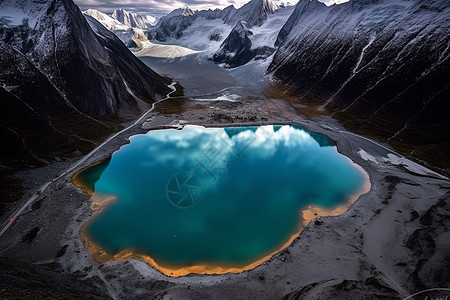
99,202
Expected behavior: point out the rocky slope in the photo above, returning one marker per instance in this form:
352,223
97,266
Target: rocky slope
381,66
58,74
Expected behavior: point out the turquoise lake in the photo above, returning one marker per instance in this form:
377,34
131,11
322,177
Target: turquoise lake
215,196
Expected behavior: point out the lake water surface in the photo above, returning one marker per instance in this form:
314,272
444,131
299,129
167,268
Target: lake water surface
222,197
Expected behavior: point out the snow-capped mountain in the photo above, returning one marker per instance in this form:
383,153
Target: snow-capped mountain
187,12
106,20
237,48
56,68
129,32
382,62
254,13
172,25
121,20
132,19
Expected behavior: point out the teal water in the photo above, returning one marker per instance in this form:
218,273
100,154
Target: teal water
216,196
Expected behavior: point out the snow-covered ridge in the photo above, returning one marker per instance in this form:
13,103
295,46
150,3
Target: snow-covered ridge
254,13
187,12
121,19
132,19
106,20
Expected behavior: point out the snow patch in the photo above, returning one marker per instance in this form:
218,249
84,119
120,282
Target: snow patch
224,97
163,51
397,160
199,35
367,157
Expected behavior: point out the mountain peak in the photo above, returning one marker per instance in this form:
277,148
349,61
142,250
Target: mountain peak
131,19
107,21
269,7
187,12
254,13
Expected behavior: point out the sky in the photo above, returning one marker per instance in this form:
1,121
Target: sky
162,7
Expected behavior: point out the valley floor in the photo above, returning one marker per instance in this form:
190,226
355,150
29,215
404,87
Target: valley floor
392,242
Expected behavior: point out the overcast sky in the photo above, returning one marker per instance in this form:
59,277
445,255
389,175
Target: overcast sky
154,6
159,7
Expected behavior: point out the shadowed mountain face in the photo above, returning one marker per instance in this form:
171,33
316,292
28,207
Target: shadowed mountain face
381,66
56,70
236,50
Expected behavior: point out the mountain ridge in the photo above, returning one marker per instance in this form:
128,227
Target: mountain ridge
385,69
50,44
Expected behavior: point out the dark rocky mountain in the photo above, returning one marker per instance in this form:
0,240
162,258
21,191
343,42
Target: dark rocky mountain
380,66
236,49
60,75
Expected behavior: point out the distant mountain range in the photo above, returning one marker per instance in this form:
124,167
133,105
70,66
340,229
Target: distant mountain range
121,19
254,13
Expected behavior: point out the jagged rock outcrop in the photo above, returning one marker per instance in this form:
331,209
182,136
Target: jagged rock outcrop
59,74
106,20
381,64
236,49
